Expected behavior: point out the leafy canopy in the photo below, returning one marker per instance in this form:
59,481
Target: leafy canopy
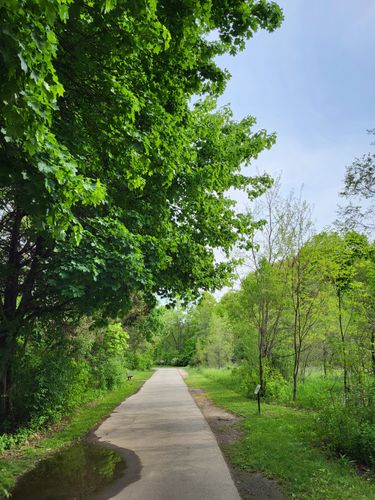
121,183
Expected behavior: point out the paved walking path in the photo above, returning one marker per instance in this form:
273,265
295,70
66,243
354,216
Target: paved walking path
171,451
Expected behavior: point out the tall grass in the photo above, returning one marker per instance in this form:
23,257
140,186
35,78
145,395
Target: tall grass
345,426
316,391
282,443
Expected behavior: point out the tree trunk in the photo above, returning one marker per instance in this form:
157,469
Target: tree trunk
296,367
295,377
261,381
8,313
343,347
373,351
261,341
296,358
7,349
325,359
5,404
261,348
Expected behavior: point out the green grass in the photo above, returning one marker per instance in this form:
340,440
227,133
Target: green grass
17,461
318,389
315,392
282,444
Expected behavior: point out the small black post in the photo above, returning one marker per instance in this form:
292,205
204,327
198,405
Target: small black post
259,403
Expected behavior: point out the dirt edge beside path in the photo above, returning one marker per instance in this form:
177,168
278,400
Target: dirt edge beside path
227,430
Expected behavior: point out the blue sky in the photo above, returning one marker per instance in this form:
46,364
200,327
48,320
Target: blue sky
311,81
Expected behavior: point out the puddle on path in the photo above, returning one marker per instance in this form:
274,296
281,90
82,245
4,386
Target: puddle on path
75,472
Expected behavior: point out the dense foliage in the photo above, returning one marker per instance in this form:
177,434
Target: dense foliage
113,185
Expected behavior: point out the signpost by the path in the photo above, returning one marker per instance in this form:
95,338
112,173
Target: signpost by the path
257,392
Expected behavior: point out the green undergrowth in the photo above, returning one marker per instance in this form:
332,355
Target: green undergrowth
18,460
317,390
282,443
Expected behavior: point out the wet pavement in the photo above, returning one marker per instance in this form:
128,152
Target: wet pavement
75,472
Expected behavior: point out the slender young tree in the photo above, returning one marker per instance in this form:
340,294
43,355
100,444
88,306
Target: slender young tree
337,258
264,288
296,229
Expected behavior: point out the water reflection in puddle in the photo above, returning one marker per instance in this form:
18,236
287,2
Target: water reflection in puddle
75,472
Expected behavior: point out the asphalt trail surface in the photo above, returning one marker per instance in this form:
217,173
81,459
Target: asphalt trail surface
170,449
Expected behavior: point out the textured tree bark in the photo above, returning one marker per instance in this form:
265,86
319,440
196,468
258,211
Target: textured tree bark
9,310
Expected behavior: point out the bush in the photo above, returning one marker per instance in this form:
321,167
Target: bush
140,360
244,380
61,367
349,429
106,373
22,435
107,357
277,388
48,385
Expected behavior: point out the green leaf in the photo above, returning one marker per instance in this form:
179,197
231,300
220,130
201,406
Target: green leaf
23,63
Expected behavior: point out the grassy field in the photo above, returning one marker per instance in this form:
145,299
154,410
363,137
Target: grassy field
282,443
316,390
18,460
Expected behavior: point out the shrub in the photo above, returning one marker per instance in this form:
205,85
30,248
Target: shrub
277,388
48,385
140,360
349,429
244,380
60,368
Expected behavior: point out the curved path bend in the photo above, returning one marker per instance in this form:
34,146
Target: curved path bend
171,451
